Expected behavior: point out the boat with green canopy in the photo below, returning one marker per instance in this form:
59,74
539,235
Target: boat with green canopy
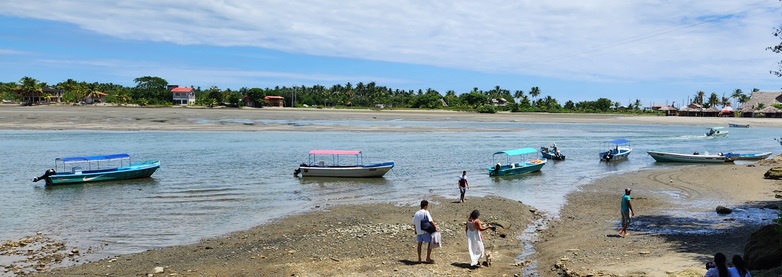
83,169
516,161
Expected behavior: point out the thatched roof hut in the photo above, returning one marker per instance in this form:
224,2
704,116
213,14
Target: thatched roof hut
768,99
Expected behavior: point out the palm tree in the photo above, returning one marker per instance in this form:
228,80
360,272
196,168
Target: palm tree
699,97
31,87
518,94
737,94
534,92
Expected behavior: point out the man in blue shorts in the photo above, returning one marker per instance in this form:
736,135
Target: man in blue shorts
421,235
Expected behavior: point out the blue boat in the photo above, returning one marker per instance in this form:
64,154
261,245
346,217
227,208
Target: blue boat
552,153
517,161
747,156
83,169
620,149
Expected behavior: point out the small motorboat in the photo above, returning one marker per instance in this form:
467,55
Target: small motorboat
552,153
517,161
620,149
696,157
716,132
747,156
83,169
736,125
336,168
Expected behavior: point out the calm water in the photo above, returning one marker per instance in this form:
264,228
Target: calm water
213,183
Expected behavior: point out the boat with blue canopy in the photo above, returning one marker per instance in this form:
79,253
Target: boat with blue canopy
341,165
516,161
619,150
83,169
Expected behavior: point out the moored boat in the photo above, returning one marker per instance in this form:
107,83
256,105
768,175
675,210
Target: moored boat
687,158
517,161
317,166
83,169
552,153
620,149
747,156
737,125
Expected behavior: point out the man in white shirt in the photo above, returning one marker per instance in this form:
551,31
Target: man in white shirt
421,235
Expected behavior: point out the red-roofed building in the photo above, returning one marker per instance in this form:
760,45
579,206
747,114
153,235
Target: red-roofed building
274,101
183,96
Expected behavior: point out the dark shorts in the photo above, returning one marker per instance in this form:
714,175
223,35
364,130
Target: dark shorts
625,218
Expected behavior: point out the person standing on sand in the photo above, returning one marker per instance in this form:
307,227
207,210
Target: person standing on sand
463,185
475,238
421,235
627,211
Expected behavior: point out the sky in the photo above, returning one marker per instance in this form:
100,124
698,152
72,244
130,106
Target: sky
658,52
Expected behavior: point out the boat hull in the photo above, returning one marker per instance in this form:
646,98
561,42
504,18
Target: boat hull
133,171
616,155
748,156
686,158
736,125
517,168
366,171
548,154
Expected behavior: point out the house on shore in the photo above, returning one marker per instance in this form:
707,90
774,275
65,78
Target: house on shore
182,95
761,104
274,101
47,95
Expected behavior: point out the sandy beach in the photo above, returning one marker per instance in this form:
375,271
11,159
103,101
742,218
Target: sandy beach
377,239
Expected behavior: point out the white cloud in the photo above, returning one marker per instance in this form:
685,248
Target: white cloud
609,40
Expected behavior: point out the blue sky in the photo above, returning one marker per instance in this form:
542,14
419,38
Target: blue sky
655,51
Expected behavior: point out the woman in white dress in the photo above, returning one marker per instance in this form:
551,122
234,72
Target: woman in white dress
475,238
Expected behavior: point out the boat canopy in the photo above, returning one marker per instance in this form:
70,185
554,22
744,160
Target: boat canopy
716,128
110,157
516,152
335,152
618,141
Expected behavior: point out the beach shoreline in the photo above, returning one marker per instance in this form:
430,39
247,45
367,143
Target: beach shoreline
580,242
62,117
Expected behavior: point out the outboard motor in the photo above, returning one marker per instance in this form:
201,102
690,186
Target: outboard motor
48,173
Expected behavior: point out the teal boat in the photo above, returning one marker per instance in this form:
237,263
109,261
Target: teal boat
516,161
83,169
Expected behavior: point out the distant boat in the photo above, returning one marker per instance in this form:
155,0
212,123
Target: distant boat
620,149
337,168
747,156
83,169
687,158
736,125
716,132
516,161
552,152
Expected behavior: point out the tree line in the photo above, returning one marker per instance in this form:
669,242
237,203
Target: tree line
151,90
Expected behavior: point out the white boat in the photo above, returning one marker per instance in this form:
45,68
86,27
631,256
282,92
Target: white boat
747,156
318,167
688,158
717,132
620,149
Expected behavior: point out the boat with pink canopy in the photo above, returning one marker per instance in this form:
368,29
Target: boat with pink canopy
341,163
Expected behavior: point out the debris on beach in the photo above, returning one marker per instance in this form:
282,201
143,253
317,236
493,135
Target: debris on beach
34,253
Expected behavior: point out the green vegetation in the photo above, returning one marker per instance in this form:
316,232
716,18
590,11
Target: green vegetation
151,90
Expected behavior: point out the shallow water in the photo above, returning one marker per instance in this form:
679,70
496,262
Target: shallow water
213,183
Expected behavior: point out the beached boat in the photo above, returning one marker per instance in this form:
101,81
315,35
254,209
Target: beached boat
619,150
83,169
716,132
736,125
551,153
688,158
516,161
318,167
747,156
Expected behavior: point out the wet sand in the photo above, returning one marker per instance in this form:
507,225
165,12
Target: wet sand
377,239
